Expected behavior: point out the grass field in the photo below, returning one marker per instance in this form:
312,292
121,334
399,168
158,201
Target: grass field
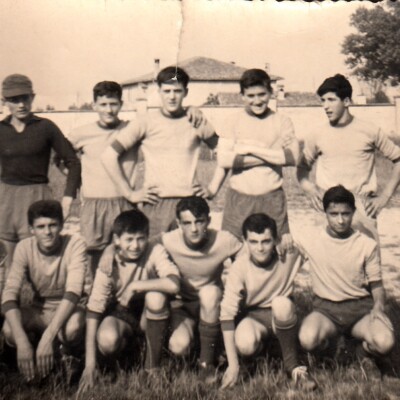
261,380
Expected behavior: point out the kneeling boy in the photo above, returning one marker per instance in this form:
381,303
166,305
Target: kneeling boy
346,281
199,253
137,273
55,265
262,283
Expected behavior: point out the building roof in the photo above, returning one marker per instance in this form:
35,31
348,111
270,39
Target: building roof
291,99
202,69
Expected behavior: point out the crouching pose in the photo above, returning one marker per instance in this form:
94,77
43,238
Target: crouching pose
199,252
55,265
257,302
137,273
346,281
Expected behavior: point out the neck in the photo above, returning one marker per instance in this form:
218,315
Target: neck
197,246
176,114
271,260
53,250
345,120
260,116
338,235
20,122
109,126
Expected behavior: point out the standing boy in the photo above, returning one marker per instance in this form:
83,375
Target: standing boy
171,147
102,200
255,145
344,150
137,273
199,252
26,142
346,281
257,304
55,266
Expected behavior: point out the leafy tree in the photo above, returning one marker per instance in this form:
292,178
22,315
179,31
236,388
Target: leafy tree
374,52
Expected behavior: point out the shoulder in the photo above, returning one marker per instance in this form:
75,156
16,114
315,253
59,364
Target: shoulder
368,243
171,239
227,240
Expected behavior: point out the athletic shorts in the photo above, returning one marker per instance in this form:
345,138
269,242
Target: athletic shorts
97,218
261,315
162,216
131,315
344,314
239,206
14,204
181,310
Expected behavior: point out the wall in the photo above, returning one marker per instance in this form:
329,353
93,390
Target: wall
386,116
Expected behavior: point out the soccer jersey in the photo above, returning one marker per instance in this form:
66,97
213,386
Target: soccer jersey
251,286
171,148
202,267
91,140
51,276
273,131
340,269
346,155
25,156
112,279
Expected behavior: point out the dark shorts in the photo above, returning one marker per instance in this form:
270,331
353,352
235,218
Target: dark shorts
97,218
344,314
14,203
131,315
239,206
261,315
162,216
185,309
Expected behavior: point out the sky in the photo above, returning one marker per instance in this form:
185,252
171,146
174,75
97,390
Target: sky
65,47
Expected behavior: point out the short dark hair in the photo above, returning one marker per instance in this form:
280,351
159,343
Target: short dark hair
337,84
46,209
107,88
255,77
338,194
172,75
131,221
196,205
258,223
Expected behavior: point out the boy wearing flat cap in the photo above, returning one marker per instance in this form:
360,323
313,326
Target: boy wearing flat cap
26,141
344,150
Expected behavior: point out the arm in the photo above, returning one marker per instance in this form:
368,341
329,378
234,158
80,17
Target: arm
216,181
88,377
378,311
374,205
110,161
312,191
231,374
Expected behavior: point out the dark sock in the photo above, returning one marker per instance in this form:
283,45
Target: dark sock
286,332
209,336
155,335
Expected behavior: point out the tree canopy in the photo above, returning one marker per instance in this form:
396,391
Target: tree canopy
373,52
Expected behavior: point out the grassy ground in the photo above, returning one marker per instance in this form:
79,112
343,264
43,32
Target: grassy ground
263,379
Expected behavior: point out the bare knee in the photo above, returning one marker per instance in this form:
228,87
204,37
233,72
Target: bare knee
73,330
179,344
382,342
283,309
246,344
108,341
309,336
156,305
210,298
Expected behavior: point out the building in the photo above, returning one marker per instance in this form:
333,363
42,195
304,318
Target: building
207,77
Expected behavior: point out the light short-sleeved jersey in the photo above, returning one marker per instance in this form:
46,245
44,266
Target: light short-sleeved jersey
112,279
340,269
269,132
346,155
91,140
171,148
199,268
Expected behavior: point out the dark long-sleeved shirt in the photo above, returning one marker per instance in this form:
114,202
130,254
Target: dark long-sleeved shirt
25,156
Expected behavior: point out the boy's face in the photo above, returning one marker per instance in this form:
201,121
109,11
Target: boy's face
339,216
256,99
19,106
132,245
172,95
107,107
194,229
47,232
261,246
335,108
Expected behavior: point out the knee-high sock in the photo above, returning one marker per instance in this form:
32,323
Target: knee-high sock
286,332
155,335
209,336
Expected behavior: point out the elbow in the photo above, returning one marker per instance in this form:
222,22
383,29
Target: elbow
173,285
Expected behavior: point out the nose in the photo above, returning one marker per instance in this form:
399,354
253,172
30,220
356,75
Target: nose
47,230
260,247
193,228
134,245
340,219
108,108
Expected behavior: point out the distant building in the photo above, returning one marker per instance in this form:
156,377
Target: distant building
207,77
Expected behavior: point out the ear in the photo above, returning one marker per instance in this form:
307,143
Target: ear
116,239
347,102
186,92
31,230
